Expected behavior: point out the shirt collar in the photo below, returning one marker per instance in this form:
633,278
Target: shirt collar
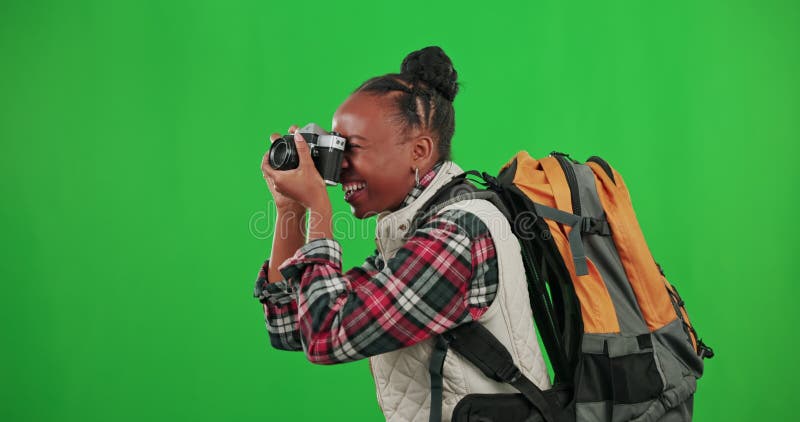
424,181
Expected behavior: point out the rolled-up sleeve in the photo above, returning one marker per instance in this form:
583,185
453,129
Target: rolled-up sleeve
280,311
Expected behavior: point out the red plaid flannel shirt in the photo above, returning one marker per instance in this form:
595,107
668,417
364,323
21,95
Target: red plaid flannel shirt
445,275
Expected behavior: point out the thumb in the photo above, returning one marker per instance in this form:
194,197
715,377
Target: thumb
303,150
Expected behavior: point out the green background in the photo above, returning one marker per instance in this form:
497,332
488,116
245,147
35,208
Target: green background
135,218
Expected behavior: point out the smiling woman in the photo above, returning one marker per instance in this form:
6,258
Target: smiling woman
461,264
382,159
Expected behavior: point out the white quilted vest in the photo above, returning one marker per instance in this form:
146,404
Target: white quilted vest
401,377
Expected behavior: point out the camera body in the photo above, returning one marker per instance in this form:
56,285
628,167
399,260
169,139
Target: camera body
327,152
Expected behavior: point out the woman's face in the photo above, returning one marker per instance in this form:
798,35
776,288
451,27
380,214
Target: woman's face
377,170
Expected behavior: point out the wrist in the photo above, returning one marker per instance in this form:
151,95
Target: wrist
323,206
320,216
320,203
291,210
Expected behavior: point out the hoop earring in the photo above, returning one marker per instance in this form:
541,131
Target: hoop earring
416,174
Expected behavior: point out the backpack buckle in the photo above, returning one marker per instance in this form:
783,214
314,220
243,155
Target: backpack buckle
591,225
705,351
509,374
491,181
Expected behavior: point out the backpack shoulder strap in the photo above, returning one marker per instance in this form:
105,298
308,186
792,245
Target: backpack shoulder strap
457,190
474,342
550,292
479,346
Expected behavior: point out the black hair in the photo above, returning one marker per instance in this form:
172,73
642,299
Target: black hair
427,87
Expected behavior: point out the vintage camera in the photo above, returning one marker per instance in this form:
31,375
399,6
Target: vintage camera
327,152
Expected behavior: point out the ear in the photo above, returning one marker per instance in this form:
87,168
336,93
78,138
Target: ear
423,151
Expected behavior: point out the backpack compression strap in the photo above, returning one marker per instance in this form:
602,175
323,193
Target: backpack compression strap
578,225
576,222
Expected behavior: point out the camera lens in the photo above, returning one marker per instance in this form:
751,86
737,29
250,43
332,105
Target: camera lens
283,155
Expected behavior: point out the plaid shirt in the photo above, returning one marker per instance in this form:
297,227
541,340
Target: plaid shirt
444,275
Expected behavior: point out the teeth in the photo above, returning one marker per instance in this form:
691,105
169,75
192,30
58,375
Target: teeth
352,188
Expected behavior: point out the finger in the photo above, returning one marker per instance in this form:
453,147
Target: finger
277,180
292,129
266,169
303,151
274,137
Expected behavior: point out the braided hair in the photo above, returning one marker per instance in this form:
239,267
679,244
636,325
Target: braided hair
426,87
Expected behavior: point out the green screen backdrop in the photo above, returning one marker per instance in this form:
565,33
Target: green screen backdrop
135,219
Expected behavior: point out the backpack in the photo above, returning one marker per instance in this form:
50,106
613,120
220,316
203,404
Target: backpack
616,332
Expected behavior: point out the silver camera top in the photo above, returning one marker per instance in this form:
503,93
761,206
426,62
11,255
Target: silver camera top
324,139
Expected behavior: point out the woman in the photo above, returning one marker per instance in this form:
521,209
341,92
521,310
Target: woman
463,264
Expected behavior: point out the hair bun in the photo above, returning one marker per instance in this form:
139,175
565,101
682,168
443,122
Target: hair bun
432,66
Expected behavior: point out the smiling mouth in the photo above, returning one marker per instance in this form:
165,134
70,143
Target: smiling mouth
352,189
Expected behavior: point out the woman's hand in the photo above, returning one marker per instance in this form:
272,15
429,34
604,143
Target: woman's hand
282,203
302,187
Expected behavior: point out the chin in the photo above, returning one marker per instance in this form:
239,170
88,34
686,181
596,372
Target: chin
362,213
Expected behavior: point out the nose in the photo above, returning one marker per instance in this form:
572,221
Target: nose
345,162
